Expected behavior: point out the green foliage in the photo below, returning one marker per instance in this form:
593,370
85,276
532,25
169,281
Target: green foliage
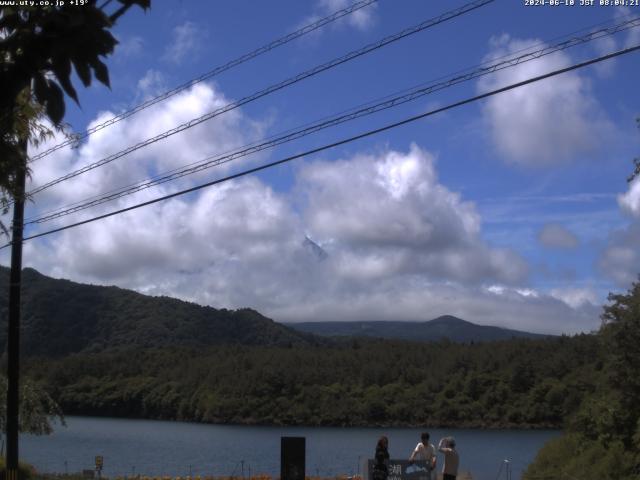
382,382
39,47
108,351
37,408
604,434
61,317
575,456
621,332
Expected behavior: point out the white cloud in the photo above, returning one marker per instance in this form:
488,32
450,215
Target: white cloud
620,260
129,46
389,214
632,37
215,136
544,123
151,85
605,46
186,40
576,297
629,202
554,235
413,299
397,243
361,19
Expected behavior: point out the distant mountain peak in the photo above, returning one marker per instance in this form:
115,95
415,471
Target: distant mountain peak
449,319
315,249
443,327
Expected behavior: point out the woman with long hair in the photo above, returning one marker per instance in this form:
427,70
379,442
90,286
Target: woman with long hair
381,460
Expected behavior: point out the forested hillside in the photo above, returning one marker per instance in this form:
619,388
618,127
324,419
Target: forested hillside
602,440
523,383
446,326
60,317
109,351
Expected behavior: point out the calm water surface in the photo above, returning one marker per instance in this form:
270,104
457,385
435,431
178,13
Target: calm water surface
149,447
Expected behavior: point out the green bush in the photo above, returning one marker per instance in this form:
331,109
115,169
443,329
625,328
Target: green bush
575,456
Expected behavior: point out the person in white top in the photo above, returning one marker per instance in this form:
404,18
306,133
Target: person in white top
425,451
451,459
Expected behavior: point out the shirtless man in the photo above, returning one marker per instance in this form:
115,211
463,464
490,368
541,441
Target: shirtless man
451,459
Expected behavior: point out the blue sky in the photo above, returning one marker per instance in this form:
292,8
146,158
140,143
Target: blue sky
513,211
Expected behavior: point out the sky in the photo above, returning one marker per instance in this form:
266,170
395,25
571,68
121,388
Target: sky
512,211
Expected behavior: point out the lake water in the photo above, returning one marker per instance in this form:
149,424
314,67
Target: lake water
149,447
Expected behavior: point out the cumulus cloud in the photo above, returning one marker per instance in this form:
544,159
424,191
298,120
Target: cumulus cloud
620,260
544,123
362,19
215,136
224,232
554,235
416,299
576,297
632,36
390,214
372,236
186,40
629,202
151,85
605,46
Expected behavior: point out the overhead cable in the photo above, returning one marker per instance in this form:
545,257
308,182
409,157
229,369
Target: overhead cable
358,112
273,88
339,142
205,76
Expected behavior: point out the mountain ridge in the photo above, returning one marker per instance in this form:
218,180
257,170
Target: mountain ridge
443,327
61,317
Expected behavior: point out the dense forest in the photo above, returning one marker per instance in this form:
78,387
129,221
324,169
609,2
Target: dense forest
602,438
517,383
112,352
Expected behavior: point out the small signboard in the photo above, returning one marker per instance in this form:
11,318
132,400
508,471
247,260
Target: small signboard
99,462
403,470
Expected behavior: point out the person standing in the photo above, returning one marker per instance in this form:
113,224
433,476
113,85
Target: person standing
451,459
425,451
381,460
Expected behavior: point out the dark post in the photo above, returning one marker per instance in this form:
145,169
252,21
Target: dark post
13,332
292,458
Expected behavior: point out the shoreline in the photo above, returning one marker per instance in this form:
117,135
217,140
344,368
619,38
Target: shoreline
461,426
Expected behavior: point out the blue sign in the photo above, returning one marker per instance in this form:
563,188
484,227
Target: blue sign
403,470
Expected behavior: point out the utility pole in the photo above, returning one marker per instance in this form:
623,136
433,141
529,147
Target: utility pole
13,331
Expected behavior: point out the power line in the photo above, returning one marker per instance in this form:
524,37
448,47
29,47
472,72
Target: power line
273,88
356,112
339,142
205,76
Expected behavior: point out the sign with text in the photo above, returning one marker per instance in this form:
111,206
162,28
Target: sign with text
403,470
